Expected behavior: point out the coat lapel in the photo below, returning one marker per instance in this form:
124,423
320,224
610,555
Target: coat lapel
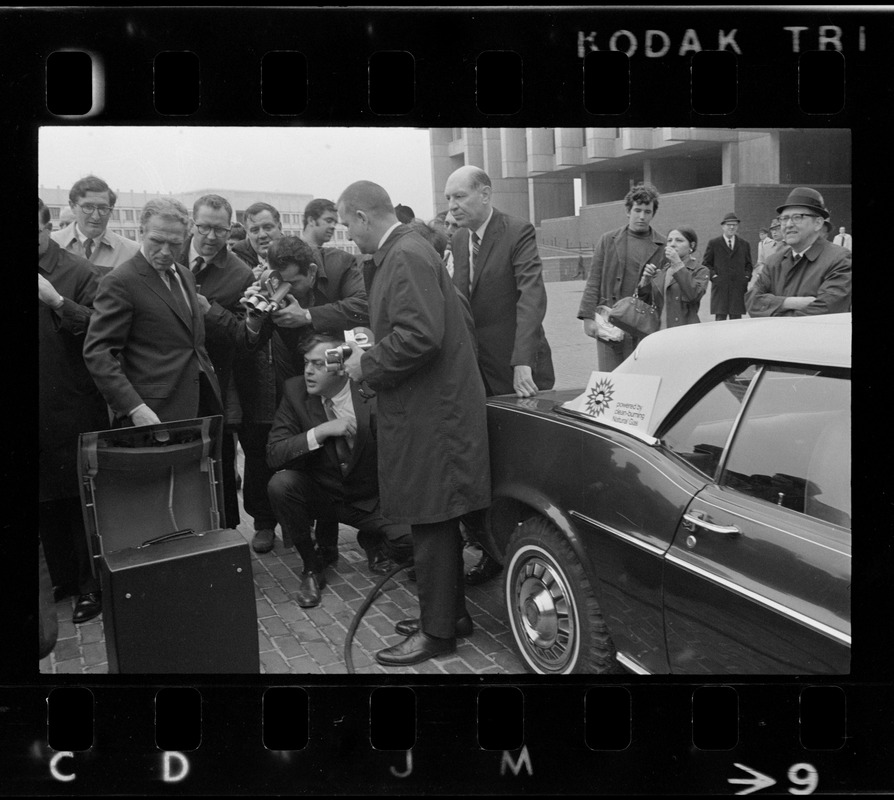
155,282
491,235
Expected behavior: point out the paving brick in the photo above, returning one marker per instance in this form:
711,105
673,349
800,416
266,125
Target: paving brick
335,669
93,654
90,633
456,667
304,665
509,662
67,628
264,580
264,644
369,639
345,591
291,611
488,623
473,657
391,610
334,633
275,595
279,570
274,626
66,649
321,653
273,662
264,609
361,659
72,665
359,581
319,616
430,667
334,578
305,631
402,598
380,624
289,647
486,643
290,584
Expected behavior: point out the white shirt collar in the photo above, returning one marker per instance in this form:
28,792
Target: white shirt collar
343,402
480,230
83,239
387,234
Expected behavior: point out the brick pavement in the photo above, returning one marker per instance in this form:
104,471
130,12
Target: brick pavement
295,640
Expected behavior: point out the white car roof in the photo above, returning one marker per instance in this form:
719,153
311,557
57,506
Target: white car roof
682,355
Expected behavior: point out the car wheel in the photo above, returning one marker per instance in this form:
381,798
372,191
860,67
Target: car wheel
556,621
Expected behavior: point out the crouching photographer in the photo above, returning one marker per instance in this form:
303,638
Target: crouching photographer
324,444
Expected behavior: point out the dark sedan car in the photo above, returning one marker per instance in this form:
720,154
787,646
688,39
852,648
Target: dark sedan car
716,540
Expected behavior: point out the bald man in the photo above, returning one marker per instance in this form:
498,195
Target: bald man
432,434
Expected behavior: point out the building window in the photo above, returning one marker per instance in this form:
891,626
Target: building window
131,235
128,215
116,215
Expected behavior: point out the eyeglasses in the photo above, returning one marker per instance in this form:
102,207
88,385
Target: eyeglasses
316,364
796,218
89,208
206,229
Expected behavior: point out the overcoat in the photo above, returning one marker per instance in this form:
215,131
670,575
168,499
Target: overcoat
141,349
508,301
68,402
730,273
433,453
683,296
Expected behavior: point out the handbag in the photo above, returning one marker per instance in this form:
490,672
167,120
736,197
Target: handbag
634,316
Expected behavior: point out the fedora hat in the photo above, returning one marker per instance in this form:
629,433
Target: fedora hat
730,218
807,198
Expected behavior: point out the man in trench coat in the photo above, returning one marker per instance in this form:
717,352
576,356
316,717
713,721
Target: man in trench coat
728,257
433,456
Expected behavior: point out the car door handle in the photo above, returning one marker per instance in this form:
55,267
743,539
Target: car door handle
692,521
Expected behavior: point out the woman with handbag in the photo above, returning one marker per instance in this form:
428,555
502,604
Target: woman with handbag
678,285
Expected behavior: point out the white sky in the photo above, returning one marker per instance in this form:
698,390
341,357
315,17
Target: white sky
316,161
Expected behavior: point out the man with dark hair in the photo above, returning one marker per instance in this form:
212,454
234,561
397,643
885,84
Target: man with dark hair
236,234
728,257
320,220
404,214
618,262
497,267
145,346
68,404
221,280
433,465
92,202
810,276
263,226
323,442
324,297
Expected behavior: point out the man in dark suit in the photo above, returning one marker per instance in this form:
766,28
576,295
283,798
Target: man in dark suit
497,267
323,442
145,347
728,257
434,465
221,280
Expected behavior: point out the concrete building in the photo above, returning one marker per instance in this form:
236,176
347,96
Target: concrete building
702,173
126,216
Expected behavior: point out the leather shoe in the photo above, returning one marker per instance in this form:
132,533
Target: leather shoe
64,591
483,571
415,649
308,594
263,541
379,562
88,606
407,627
328,556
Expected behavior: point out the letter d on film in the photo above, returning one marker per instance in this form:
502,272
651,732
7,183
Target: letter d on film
175,766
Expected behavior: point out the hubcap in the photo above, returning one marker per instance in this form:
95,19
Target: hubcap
543,609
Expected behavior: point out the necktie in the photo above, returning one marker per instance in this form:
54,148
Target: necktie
179,299
197,265
729,243
88,249
342,448
476,246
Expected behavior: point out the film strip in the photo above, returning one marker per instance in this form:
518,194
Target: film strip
497,730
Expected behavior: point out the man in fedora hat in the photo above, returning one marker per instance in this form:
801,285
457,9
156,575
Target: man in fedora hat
812,275
728,257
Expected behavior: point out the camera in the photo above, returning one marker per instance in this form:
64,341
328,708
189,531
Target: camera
273,291
335,357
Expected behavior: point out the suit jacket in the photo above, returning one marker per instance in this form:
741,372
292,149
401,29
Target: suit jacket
824,274
730,273
140,349
111,248
434,463
287,448
68,402
508,301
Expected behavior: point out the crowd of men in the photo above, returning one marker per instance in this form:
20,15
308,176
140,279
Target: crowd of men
395,444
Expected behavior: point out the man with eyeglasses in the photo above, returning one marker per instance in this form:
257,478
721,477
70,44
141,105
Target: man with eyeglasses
728,257
221,280
92,203
323,442
811,275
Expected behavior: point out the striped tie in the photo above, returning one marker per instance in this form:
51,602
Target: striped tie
476,246
88,249
197,265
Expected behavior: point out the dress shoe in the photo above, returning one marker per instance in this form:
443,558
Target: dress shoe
87,607
407,627
379,562
263,541
483,571
308,594
415,649
328,556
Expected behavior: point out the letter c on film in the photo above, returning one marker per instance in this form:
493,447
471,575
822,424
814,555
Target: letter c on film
54,767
